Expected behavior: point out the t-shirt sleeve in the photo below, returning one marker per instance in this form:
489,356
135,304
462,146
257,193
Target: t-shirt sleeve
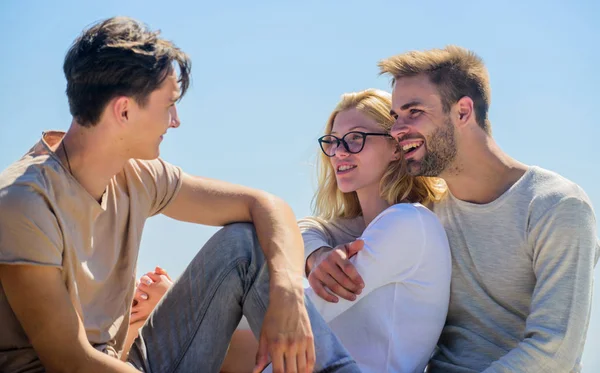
393,247
565,252
161,181
29,229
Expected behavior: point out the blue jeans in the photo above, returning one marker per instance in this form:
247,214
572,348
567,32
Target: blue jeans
190,328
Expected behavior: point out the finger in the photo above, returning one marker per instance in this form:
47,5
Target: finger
336,271
301,360
145,280
277,359
352,276
354,247
335,287
159,271
135,317
166,280
319,289
140,296
310,355
291,364
155,277
262,356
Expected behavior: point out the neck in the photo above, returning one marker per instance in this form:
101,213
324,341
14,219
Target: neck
93,158
371,203
482,172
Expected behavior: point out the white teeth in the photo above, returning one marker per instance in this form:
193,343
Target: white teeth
345,167
410,146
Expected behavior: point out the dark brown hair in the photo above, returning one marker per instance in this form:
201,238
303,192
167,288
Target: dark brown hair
456,71
118,57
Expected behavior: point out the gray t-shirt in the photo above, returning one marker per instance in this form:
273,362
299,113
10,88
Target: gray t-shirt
522,278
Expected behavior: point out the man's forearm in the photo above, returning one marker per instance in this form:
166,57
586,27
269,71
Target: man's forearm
279,237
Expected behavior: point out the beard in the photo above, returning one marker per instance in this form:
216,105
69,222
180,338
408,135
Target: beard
440,152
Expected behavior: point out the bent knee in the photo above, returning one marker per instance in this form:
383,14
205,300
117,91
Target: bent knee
238,231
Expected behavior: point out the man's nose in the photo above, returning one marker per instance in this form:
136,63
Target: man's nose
399,130
174,117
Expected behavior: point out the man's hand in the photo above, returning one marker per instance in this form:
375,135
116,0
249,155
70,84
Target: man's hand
331,269
286,334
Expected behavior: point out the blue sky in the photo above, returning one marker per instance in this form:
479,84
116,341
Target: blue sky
267,74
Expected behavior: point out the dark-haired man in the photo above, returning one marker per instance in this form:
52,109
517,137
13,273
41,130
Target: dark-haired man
72,211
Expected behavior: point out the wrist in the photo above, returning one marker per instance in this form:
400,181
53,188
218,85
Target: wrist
286,279
314,258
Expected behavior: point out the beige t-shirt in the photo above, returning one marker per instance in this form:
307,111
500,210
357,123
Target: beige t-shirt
48,219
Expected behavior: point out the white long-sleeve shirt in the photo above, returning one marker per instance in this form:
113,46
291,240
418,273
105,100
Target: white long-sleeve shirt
396,321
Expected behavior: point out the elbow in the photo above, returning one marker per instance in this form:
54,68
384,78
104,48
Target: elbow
266,201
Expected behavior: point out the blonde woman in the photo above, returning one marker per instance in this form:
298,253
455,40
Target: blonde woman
401,256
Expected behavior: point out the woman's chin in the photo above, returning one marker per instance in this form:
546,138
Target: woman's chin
344,188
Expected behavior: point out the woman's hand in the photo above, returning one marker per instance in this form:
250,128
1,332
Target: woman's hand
149,290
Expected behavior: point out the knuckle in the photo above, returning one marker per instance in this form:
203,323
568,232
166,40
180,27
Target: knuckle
319,271
290,343
336,288
276,344
348,267
326,264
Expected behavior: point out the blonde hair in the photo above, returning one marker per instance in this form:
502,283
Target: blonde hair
396,184
455,71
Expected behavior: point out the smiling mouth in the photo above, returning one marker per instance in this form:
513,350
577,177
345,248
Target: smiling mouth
410,147
345,168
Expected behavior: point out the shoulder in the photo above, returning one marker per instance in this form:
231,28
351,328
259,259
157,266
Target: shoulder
406,216
26,185
550,185
153,177
404,223
347,226
552,194
155,167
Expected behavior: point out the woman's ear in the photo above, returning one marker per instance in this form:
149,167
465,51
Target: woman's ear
397,153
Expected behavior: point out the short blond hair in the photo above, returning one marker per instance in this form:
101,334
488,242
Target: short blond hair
456,71
396,185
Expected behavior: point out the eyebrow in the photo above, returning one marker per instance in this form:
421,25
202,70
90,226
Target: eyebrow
353,129
406,106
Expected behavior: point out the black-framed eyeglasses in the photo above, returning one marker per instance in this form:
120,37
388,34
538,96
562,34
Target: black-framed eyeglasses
353,142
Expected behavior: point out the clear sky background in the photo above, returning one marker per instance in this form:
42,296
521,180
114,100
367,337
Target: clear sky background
266,75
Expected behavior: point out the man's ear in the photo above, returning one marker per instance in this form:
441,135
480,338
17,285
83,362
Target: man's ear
121,107
464,111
